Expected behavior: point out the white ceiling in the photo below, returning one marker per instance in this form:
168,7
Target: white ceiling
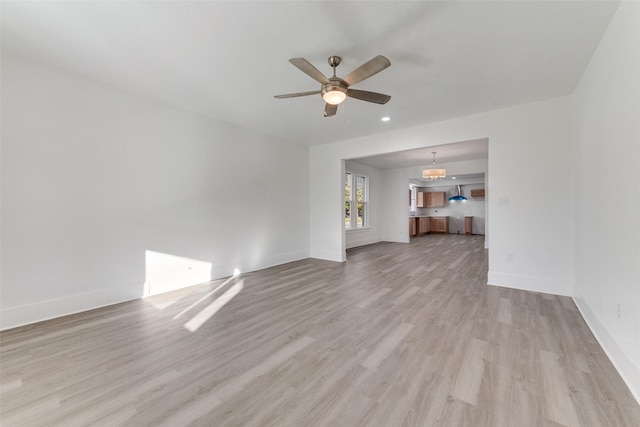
455,152
227,59
465,179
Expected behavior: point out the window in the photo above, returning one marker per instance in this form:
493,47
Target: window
412,199
355,201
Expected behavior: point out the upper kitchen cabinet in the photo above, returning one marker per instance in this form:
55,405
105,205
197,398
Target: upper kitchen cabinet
421,199
436,199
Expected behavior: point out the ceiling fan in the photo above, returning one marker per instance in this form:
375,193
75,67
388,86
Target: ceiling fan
334,90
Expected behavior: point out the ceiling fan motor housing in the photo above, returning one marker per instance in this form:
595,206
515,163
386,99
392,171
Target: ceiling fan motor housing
336,84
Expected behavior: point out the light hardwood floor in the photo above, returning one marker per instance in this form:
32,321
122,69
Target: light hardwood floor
400,335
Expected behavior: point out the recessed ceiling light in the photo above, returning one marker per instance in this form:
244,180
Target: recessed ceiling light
453,177
385,119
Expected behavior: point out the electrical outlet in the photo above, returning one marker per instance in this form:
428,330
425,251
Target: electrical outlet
503,201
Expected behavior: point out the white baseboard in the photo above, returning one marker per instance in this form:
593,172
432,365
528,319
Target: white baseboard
355,239
528,283
394,239
628,370
329,255
12,317
245,266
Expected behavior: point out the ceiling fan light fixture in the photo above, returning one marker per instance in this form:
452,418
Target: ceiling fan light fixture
334,94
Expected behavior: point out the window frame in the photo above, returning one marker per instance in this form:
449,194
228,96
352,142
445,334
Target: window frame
352,201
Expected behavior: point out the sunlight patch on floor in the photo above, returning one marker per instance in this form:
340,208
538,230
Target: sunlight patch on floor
208,312
167,299
222,285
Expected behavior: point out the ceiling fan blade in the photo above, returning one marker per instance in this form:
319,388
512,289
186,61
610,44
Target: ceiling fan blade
307,68
367,70
365,95
330,110
294,95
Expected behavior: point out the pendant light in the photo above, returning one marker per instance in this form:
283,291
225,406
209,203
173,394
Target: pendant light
434,174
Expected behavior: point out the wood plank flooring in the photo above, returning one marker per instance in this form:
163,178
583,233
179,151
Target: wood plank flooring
400,335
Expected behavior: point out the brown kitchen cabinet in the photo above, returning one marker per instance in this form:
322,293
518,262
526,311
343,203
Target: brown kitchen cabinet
424,225
436,199
468,225
413,227
439,224
478,192
421,199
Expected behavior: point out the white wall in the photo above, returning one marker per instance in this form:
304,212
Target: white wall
370,234
529,150
94,181
607,268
